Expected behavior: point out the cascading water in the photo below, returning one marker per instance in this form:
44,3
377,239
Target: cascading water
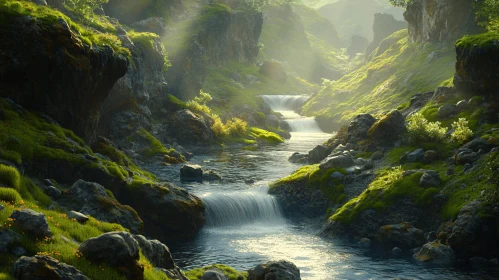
241,207
286,105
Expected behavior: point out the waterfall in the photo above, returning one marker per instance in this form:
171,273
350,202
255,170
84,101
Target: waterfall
238,208
286,105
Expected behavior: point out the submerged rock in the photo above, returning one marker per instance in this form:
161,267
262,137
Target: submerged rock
45,267
194,172
298,158
282,270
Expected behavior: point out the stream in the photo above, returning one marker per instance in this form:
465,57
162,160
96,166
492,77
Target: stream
245,226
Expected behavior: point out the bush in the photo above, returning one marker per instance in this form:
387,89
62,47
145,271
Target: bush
9,195
9,176
462,132
236,126
420,129
199,103
218,126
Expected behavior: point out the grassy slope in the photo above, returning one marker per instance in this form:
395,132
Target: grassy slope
390,79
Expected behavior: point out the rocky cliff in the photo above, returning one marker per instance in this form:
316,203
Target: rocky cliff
47,66
384,25
440,20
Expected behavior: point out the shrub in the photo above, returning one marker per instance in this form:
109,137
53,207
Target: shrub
9,176
199,103
419,129
9,195
462,132
236,126
218,126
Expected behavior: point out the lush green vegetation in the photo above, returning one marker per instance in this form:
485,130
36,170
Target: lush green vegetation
386,81
484,40
420,130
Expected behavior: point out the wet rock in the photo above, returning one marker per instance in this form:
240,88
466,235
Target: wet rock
318,153
8,238
462,105
430,179
466,156
45,267
272,121
396,252
364,243
194,172
51,191
275,270
118,249
402,235
435,252
447,110
92,199
274,70
32,223
154,24
211,175
156,252
79,217
340,161
298,158
430,236
388,129
214,274
190,128
358,128
477,144
416,155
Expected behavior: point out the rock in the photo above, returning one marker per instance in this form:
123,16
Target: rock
364,243
318,153
1,207
430,156
340,161
462,105
117,249
190,128
211,175
477,144
156,252
384,25
357,45
446,111
32,223
282,270
298,158
358,128
430,179
79,217
396,252
388,129
416,155
213,274
47,182
100,11
45,267
40,2
272,121
8,238
191,172
465,156
337,176
154,24
435,252
92,199
284,125
51,191
430,236
440,20
377,155
402,235
274,70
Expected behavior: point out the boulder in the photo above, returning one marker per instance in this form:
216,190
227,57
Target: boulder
214,274
1,207
189,128
339,161
462,105
416,155
45,267
8,238
396,251
79,217
364,243
282,270
388,129
430,156
435,252
156,252
447,110
154,24
272,121
194,172
477,144
298,158
318,153
430,179
358,128
465,156
402,235
32,223
51,191
92,199
274,70
117,249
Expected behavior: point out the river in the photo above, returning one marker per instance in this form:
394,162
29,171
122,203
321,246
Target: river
245,226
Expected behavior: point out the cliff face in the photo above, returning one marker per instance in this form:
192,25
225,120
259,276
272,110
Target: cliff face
219,35
384,26
440,20
46,67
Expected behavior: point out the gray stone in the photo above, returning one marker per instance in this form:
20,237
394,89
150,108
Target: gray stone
430,156
318,153
45,267
358,128
364,243
435,252
462,105
282,270
117,249
477,144
32,223
388,129
211,175
396,252
79,217
51,191
340,161
430,180
416,155
402,235
298,158
191,172
213,274
99,11
272,120
447,110
466,156
8,238
156,252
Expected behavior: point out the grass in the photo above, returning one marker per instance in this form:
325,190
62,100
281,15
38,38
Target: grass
229,272
484,40
10,177
299,175
9,195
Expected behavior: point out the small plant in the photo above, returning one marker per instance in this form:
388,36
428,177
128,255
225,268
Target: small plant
199,103
419,129
462,132
9,195
218,126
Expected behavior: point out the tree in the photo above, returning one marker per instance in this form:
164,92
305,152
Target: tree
487,13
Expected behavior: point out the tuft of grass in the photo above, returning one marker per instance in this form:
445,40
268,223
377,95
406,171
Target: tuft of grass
9,195
10,177
484,40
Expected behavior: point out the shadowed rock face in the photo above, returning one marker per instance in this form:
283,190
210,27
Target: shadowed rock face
440,20
46,67
45,267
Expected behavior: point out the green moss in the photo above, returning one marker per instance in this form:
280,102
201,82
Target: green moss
10,177
484,40
229,272
9,195
301,174
267,136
